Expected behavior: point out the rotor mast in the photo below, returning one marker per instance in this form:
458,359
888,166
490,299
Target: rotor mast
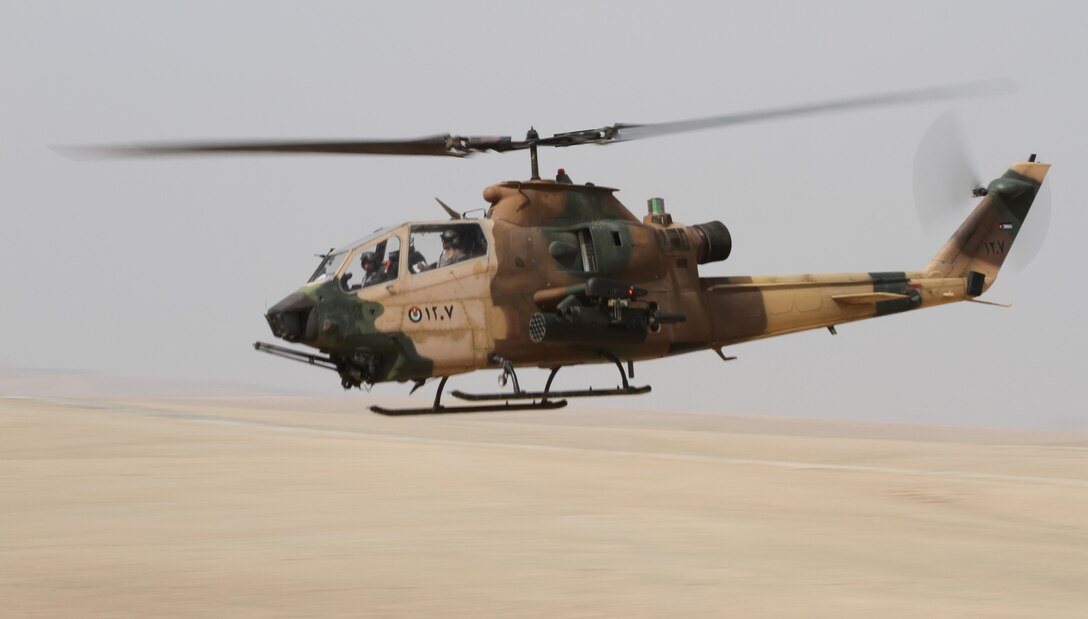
531,137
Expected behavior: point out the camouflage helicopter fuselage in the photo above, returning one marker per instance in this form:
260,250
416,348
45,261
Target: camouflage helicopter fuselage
570,276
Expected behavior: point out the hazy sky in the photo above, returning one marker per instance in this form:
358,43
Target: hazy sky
165,268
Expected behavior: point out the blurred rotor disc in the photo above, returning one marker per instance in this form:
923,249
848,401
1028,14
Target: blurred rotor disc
1033,233
944,178
943,175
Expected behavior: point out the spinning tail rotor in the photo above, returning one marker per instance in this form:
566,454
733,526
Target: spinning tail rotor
946,184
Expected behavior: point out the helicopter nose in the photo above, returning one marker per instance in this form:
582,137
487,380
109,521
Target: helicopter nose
294,318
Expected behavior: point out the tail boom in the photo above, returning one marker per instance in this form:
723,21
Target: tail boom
748,308
759,307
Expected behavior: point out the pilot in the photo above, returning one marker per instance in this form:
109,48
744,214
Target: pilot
453,248
391,267
417,261
369,262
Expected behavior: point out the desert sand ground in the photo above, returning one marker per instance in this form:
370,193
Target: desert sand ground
237,506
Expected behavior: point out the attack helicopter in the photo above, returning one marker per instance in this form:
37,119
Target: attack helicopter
558,274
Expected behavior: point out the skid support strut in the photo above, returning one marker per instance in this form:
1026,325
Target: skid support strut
626,389
538,400
438,409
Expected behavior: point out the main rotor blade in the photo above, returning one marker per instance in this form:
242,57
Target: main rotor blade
457,146
436,145
622,132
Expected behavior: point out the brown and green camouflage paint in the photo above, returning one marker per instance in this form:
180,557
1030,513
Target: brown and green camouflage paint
347,323
983,241
725,310
535,230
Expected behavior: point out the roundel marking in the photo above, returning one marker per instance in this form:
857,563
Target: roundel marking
415,314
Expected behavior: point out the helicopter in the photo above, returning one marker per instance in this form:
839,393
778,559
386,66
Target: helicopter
557,274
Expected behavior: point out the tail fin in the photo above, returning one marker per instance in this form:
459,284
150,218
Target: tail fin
979,247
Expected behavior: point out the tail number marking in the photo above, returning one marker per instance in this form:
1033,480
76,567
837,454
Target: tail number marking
994,248
430,313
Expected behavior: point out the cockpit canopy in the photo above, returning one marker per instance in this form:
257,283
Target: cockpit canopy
332,261
377,257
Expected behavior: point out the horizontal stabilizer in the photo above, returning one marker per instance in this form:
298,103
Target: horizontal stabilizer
862,298
1005,305
760,286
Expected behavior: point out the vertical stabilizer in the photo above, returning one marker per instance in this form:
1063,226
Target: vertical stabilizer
979,247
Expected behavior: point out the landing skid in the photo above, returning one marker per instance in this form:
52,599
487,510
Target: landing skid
626,389
438,409
544,395
486,408
539,399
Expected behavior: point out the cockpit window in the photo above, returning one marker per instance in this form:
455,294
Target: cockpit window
372,264
435,246
330,264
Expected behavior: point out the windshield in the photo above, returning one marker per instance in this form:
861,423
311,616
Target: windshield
372,264
330,262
